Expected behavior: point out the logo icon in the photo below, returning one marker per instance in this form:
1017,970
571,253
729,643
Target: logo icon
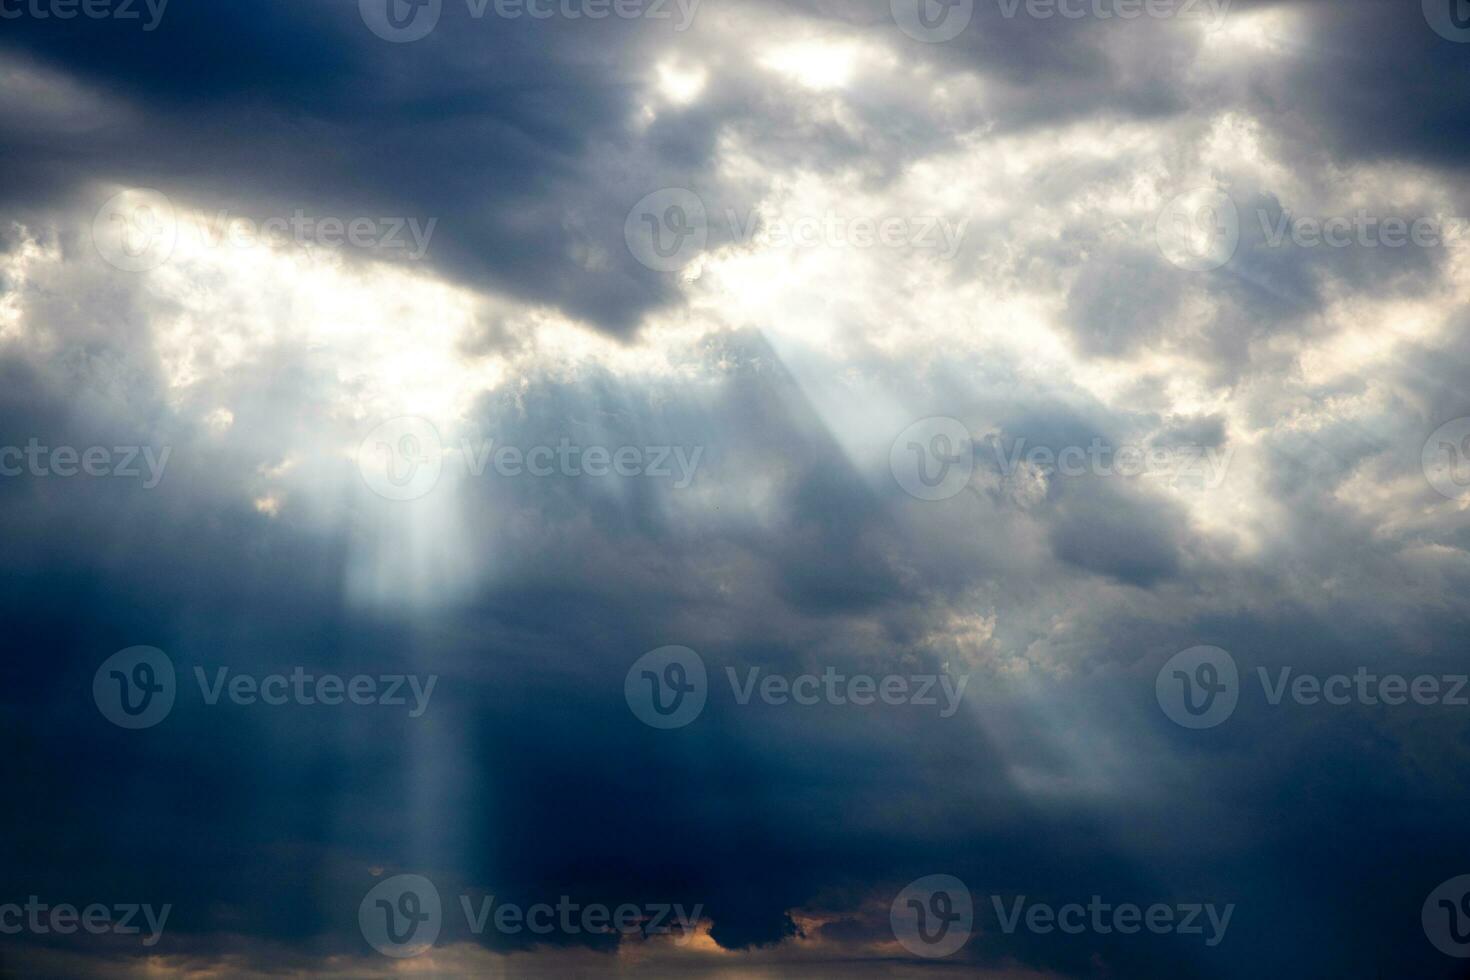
933,916
667,229
932,21
667,687
400,916
1446,459
1198,687
135,230
400,21
1450,19
1446,917
933,458
401,458
135,688
1199,230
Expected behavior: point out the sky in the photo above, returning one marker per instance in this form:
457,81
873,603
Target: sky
735,488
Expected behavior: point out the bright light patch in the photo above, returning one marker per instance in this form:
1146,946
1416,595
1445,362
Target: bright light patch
1255,31
389,332
681,85
818,65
